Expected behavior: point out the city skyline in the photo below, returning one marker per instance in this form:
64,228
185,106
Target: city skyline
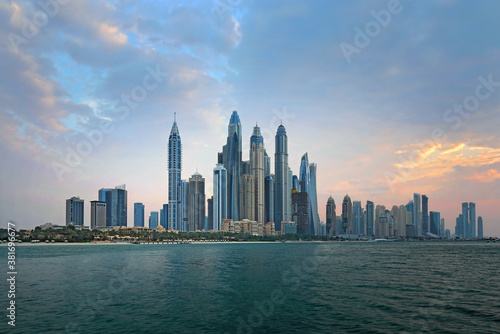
377,129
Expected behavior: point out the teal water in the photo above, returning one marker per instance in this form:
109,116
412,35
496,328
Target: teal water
256,288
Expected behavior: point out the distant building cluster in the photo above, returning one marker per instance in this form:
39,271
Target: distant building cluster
249,198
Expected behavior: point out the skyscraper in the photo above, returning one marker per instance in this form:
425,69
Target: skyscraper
307,183
465,220
472,220
347,227
164,216
370,216
300,212
153,220
196,202
174,177
247,193
231,159
425,215
220,196
257,169
138,214
313,199
210,213
331,216
357,216
417,214
480,234
282,197
97,214
435,227
269,198
74,211
116,205
183,205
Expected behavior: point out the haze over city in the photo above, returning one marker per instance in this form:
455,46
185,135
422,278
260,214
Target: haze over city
379,111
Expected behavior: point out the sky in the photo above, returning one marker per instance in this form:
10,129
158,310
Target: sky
388,98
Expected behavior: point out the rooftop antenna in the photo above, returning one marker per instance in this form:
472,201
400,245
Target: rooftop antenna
175,116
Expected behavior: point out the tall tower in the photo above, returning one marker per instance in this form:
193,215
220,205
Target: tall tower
357,217
370,215
347,227
472,220
465,220
313,202
220,196
331,218
231,158
174,176
196,203
282,197
257,169
247,193
307,183
480,227
425,215
269,198
74,211
417,212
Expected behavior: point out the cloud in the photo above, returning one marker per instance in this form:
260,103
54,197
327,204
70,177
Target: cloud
490,175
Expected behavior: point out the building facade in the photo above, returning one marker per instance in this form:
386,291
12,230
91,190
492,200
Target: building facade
174,177
74,211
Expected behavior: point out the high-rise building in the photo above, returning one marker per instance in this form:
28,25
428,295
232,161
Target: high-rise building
164,216
370,216
74,211
480,234
313,199
210,213
465,228
138,214
257,169
331,226
435,227
174,177
417,214
267,165
247,193
295,183
357,216
282,195
307,183
97,214
442,227
347,227
153,220
116,205
425,215
220,196
196,203
459,232
381,222
183,205
300,211
472,220
231,159
269,198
